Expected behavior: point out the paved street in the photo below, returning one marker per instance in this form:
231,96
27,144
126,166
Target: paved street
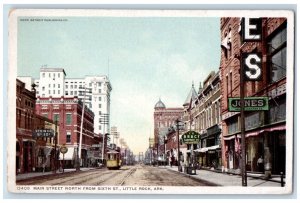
138,175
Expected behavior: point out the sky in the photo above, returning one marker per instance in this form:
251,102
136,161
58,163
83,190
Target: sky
146,58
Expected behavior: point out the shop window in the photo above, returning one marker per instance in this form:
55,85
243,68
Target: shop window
277,54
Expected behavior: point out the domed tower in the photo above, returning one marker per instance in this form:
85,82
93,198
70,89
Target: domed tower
159,105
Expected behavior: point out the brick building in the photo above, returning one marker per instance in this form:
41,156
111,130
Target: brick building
68,111
163,119
265,130
25,144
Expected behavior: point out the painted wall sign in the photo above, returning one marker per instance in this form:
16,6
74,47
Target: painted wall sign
43,133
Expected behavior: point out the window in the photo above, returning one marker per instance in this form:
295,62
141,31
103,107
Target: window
277,53
49,75
58,75
67,93
58,85
71,87
53,91
49,91
54,75
43,75
58,91
277,111
43,88
233,126
99,84
68,137
56,117
99,90
99,98
227,85
90,84
99,127
230,83
75,86
100,113
69,119
99,105
66,86
45,115
71,92
49,85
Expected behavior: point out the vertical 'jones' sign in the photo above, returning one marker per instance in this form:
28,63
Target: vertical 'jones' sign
252,62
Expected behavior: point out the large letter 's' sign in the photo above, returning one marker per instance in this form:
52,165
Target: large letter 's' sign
252,66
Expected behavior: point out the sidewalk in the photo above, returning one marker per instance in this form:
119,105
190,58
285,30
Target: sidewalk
225,179
25,176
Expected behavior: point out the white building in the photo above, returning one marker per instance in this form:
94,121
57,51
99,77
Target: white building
53,82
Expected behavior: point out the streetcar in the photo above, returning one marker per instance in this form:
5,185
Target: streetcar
114,160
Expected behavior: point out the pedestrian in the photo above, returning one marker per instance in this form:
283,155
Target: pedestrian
260,164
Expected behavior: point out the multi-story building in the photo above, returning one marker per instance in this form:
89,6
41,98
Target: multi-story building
163,119
25,144
95,89
265,130
68,113
32,153
207,116
202,115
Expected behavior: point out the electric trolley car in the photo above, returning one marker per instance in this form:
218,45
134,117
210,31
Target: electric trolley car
113,160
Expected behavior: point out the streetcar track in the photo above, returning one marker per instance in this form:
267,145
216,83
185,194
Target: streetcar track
129,174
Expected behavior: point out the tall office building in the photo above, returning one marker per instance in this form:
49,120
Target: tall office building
96,90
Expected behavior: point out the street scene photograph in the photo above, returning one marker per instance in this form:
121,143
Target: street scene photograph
150,102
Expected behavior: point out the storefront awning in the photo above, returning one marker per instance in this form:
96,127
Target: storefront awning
70,155
257,132
205,149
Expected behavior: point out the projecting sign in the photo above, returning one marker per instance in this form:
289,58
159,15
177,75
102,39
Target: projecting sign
43,133
190,137
252,62
63,149
252,66
250,104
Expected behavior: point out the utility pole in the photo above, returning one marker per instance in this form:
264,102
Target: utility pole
243,167
178,153
55,146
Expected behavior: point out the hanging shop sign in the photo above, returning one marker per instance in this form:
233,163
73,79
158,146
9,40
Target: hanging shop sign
63,149
43,133
250,104
190,137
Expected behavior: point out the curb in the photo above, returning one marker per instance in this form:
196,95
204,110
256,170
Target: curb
196,178
43,176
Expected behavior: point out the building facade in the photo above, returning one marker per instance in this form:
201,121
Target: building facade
163,119
265,130
68,113
95,89
202,115
32,153
25,116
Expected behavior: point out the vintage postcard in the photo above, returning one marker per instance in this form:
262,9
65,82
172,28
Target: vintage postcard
150,101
